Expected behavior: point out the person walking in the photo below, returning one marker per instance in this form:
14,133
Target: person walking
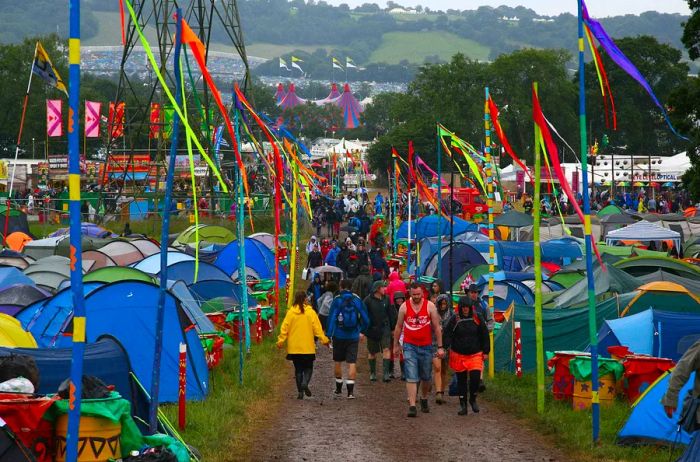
418,319
300,326
440,364
399,299
379,331
467,339
324,303
487,314
346,322
362,285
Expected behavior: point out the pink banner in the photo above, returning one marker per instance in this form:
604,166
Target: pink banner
92,119
53,117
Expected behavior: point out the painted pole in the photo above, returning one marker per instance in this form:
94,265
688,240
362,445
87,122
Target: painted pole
76,258
592,324
517,343
294,243
452,230
538,270
489,205
439,204
155,380
395,199
182,387
240,223
258,326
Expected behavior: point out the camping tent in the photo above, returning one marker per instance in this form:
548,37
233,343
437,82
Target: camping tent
259,260
459,255
612,280
17,221
648,422
184,271
10,276
664,296
86,229
13,335
693,285
432,226
123,252
207,233
17,240
513,219
643,231
207,290
610,209
117,273
640,266
151,265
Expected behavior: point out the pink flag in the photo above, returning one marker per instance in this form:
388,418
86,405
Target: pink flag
53,117
92,119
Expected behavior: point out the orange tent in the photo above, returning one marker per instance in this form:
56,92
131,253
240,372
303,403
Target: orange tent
17,240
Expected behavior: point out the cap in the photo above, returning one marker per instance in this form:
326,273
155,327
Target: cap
399,294
377,285
473,288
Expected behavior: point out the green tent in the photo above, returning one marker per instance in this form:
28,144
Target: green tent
609,210
208,233
110,274
662,296
568,278
639,266
613,280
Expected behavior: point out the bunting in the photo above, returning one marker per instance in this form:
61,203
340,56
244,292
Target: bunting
54,119
92,119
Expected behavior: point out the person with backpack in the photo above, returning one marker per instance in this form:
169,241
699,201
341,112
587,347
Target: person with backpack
353,268
324,303
416,323
467,339
346,322
379,331
299,329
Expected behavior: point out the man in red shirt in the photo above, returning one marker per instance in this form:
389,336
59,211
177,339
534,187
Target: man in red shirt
418,319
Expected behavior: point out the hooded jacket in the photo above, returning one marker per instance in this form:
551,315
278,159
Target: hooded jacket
299,329
395,285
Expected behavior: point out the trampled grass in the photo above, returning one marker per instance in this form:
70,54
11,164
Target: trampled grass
568,429
416,46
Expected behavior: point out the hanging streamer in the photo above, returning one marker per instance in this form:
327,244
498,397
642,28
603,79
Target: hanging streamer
493,111
602,80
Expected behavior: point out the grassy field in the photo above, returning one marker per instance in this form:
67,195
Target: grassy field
416,46
567,429
272,50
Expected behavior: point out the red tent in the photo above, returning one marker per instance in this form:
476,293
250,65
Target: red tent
291,99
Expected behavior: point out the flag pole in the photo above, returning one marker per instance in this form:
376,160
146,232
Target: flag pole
489,206
592,323
155,380
538,269
439,204
76,260
244,327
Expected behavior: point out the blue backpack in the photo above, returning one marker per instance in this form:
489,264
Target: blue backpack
348,315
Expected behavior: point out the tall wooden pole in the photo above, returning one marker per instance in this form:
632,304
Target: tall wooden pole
539,350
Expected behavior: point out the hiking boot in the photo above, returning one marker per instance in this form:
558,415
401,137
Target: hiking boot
307,392
475,407
424,405
372,377
440,397
300,395
412,411
462,406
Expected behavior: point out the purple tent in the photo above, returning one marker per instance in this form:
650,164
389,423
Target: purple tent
87,229
351,108
332,96
291,99
280,94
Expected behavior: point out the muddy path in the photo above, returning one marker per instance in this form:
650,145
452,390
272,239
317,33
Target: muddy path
374,426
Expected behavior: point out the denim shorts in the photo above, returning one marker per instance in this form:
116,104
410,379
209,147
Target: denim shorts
418,362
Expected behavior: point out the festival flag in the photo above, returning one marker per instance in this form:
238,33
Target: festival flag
92,119
44,68
115,122
464,148
619,58
154,129
602,80
336,64
283,64
54,120
349,63
168,116
296,60
493,112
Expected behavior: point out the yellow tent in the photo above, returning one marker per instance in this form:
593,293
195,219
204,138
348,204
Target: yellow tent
12,335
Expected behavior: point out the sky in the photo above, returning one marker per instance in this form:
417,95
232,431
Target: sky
597,8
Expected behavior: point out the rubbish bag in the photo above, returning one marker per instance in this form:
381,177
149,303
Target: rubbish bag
14,366
93,388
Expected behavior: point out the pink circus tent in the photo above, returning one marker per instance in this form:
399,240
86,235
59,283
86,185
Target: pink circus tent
291,99
351,108
280,94
332,96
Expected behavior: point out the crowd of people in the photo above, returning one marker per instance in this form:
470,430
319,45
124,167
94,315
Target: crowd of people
402,321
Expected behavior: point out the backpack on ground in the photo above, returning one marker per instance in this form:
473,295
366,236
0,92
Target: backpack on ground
348,315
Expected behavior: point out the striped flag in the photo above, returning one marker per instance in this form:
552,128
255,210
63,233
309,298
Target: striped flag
92,119
336,64
54,121
154,129
115,123
349,63
296,60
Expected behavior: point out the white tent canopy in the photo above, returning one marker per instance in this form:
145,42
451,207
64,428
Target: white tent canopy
643,231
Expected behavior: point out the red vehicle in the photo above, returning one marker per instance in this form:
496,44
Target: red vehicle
471,200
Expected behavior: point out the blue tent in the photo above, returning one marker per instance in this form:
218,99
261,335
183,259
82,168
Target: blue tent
434,225
507,292
184,271
207,290
151,265
652,332
47,319
648,422
10,276
514,256
127,311
104,359
191,306
259,260
460,255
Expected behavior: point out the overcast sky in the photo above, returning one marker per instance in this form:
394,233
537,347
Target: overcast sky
597,8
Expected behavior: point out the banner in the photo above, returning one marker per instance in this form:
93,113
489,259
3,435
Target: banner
53,117
3,169
115,122
155,121
58,164
92,119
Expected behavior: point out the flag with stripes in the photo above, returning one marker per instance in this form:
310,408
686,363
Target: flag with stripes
53,117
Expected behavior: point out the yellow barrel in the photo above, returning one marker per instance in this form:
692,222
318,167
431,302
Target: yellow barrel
99,439
606,392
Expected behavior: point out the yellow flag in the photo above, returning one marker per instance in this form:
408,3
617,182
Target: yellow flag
44,68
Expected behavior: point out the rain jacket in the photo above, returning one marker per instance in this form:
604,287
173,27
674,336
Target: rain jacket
395,285
299,329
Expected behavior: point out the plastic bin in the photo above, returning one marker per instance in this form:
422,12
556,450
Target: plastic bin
98,439
641,372
563,381
24,417
582,398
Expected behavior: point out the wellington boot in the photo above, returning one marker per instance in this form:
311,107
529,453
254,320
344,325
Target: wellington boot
462,406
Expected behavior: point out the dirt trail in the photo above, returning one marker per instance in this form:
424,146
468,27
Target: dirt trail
375,427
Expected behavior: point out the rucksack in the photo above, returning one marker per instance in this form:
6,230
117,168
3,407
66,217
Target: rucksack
353,268
348,316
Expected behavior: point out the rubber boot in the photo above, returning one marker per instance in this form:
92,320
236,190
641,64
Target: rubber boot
306,379
462,406
386,369
372,370
472,403
298,376
391,371
403,371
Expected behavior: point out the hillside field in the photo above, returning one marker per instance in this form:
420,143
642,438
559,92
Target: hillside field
416,46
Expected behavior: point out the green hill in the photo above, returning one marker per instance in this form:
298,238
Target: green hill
415,47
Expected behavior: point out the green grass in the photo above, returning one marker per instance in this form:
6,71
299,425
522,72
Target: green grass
416,46
272,50
109,30
568,429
